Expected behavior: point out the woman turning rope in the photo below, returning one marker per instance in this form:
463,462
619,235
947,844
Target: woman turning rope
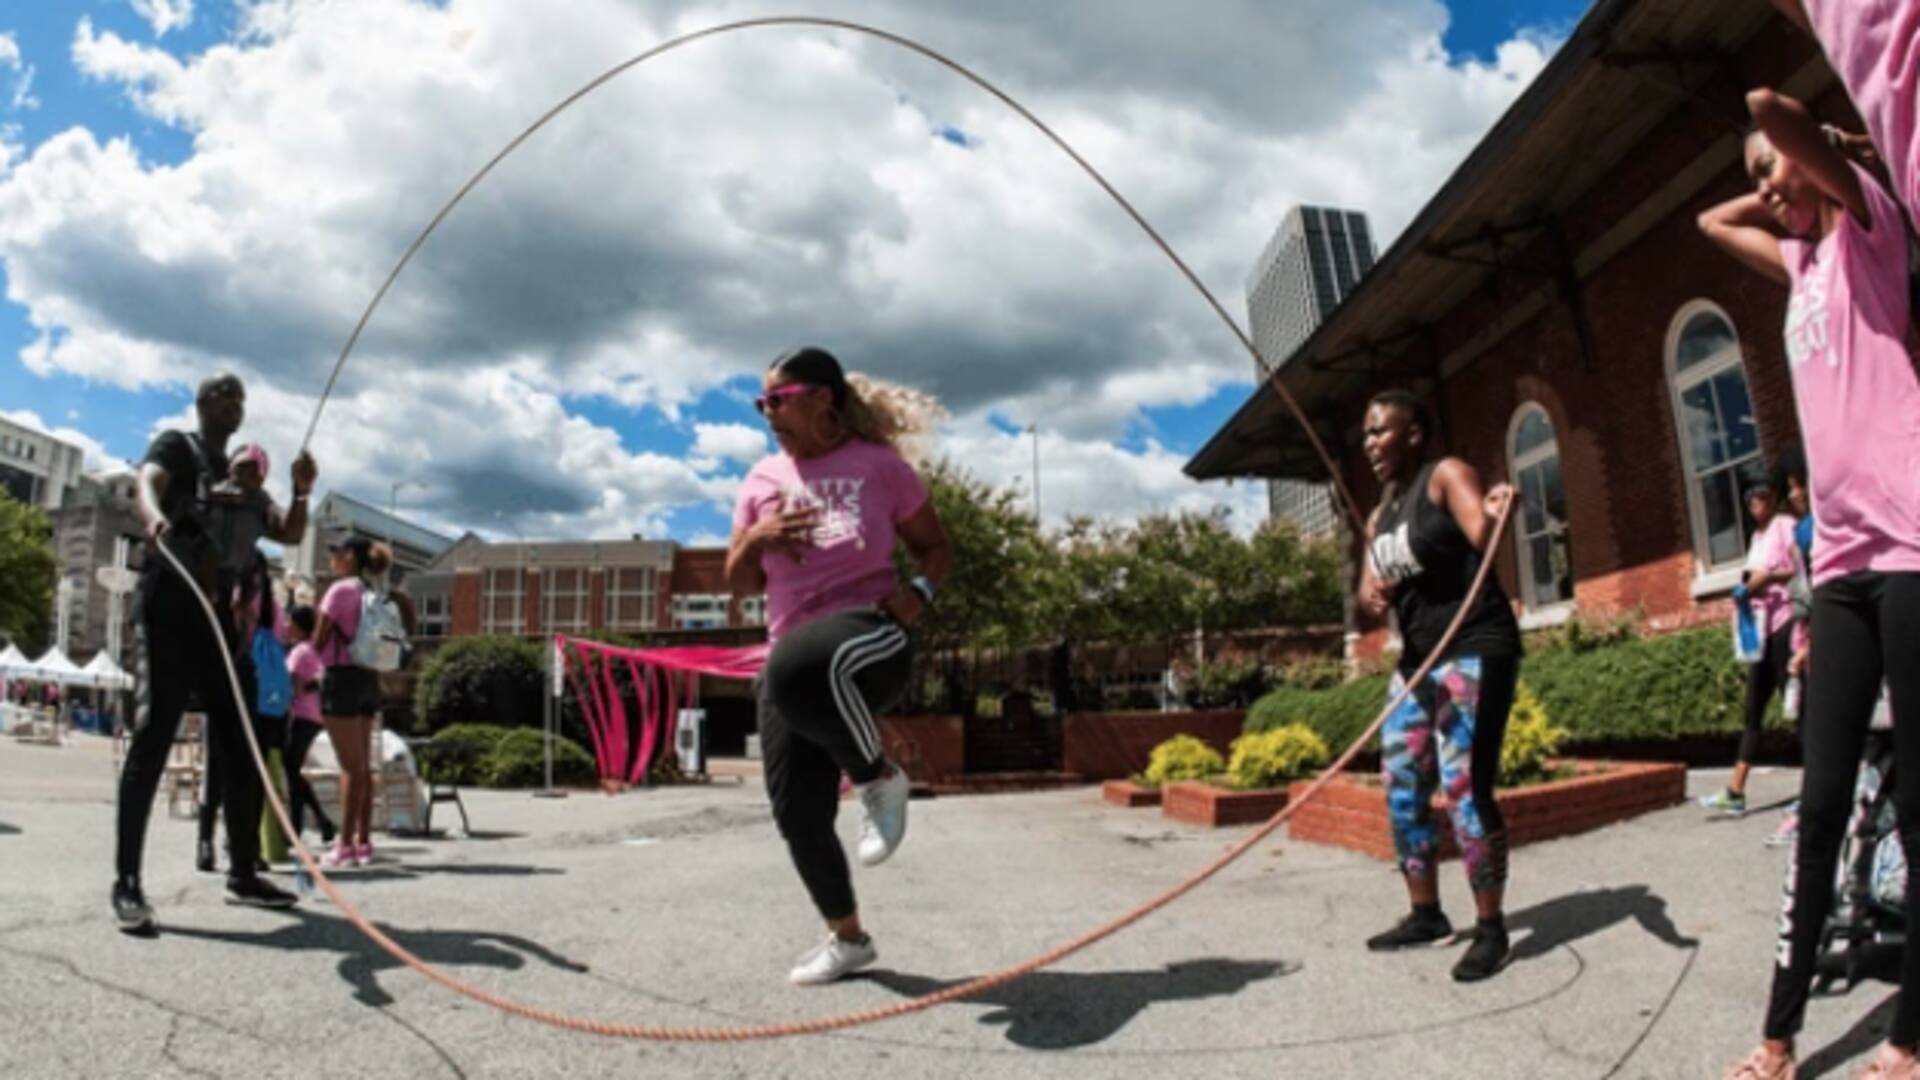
815,528
1427,538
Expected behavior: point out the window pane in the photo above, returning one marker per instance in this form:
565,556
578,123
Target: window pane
1533,502
1535,430
1562,561
1703,427
1719,502
1705,336
1555,494
1736,414
1540,588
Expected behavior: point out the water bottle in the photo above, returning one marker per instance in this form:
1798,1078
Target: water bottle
1795,687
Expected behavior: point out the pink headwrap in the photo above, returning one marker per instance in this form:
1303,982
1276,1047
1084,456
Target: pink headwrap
250,452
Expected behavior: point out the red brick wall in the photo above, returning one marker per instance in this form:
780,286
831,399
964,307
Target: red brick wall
530,609
931,749
704,570
466,603
1102,746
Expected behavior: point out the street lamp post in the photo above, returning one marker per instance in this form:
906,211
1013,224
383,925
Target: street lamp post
1034,430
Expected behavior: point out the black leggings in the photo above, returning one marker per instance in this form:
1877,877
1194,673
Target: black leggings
1866,627
179,656
300,737
1766,677
270,731
822,685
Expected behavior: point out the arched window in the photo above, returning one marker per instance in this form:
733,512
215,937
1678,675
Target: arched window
1719,442
1540,530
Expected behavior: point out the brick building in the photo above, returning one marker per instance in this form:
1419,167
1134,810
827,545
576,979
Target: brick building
1574,332
649,589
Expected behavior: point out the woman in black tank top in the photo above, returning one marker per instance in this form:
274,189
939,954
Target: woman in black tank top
1426,543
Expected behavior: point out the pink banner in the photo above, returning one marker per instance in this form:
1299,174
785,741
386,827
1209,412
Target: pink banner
655,676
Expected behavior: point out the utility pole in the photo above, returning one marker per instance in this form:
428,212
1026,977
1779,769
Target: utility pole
1034,430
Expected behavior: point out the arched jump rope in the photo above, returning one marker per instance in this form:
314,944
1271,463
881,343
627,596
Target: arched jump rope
951,994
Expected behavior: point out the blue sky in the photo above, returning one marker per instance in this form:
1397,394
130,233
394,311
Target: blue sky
60,97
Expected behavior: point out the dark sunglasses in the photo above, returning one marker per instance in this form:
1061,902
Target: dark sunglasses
772,401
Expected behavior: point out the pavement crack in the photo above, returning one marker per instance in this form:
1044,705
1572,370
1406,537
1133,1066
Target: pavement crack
438,1050
111,987
167,1051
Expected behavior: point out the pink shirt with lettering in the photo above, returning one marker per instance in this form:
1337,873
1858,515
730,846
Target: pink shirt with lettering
1875,47
862,491
1857,394
1772,549
305,667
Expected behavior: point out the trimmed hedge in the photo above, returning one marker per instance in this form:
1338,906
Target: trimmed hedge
1646,689
487,679
481,755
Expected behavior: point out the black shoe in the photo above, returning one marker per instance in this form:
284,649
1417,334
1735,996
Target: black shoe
1485,957
203,856
130,908
253,891
326,832
1420,927
260,866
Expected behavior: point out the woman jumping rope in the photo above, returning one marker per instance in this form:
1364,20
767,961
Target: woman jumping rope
1824,228
814,528
1427,538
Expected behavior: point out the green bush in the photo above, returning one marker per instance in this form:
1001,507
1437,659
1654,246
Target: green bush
1635,689
1267,759
519,760
1182,757
1531,740
458,754
1226,682
487,679
1314,673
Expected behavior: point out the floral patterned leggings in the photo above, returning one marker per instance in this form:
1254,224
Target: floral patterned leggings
1447,735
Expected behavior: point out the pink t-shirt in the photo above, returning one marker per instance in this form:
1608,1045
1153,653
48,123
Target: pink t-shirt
305,666
1772,549
1857,394
1875,47
862,491
341,606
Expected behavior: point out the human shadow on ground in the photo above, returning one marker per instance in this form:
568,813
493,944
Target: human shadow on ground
361,961
415,871
1862,1037
1060,1010
1569,918
9,830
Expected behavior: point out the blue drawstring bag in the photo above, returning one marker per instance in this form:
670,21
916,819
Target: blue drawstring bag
273,695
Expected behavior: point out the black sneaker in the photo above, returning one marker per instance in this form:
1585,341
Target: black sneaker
254,891
1418,928
203,856
1485,957
130,908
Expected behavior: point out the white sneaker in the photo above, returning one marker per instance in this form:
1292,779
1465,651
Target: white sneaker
833,959
883,817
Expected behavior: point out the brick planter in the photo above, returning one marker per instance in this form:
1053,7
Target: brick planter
1197,802
1129,794
1352,811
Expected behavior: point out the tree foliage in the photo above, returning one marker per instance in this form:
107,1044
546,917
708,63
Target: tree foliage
28,570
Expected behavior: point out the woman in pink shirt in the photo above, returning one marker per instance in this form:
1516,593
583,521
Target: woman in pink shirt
1874,46
306,723
815,528
350,694
1764,587
1823,228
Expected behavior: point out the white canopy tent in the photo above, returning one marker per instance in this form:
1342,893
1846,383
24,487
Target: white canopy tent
54,667
13,663
105,674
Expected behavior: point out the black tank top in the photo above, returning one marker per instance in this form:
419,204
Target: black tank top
1419,550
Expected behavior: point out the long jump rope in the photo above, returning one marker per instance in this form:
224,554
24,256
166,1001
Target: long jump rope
955,993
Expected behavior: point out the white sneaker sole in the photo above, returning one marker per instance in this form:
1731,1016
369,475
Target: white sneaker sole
800,979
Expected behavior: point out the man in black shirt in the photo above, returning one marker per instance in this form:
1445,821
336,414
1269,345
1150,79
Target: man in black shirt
180,654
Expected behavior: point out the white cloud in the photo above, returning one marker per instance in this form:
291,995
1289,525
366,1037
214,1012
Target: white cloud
693,218
164,15
21,95
97,457
715,445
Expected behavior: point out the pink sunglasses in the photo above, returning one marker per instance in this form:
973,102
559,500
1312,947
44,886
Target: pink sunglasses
774,399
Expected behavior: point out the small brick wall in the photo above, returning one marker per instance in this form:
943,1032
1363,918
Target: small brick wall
1352,813
1113,746
932,749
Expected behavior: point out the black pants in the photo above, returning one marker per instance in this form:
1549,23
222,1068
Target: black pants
269,731
179,656
300,737
1866,627
822,684
1766,677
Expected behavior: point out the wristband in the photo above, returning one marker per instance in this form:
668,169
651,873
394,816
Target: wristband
923,587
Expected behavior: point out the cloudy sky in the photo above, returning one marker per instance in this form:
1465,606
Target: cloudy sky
194,184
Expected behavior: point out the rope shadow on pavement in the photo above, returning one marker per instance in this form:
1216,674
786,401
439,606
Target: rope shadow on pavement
1061,1010
361,961
417,871
1579,915
9,830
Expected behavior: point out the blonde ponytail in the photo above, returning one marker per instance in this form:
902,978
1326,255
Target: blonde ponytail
888,414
